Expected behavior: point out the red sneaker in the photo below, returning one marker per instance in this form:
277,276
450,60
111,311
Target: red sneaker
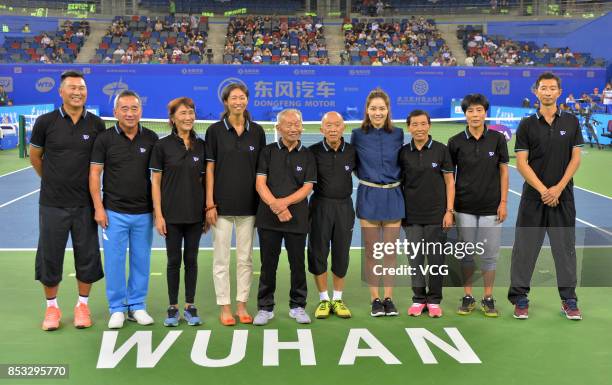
416,309
521,309
434,309
569,307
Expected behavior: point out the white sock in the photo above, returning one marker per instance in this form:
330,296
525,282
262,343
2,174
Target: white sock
337,295
323,296
52,302
83,300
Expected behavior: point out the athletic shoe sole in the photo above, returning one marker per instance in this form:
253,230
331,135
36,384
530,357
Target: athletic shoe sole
571,318
392,314
378,314
171,324
520,316
490,315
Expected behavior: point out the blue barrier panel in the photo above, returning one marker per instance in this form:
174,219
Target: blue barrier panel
9,122
314,90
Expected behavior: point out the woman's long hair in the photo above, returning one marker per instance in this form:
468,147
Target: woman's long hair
225,97
377,93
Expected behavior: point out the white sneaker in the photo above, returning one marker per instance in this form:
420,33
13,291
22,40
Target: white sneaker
116,320
140,316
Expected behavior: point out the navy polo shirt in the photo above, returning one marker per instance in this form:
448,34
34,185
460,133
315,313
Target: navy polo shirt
334,170
126,179
286,172
235,157
477,178
67,150
550,149
182,186
423,182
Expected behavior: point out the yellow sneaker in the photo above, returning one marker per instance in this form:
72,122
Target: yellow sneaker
340,309
323,310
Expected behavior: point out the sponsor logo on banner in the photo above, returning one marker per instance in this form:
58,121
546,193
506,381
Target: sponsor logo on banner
461,73
420,87
113,89
299,72
45,84
526,73
17,70
248,71
86,70
294,93
192,71
500,87
226,82
359,72
7,83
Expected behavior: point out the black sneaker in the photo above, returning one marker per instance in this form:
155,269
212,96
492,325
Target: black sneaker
468,304
378,308
488,307
390,309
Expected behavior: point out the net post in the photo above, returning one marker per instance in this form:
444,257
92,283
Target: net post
22,137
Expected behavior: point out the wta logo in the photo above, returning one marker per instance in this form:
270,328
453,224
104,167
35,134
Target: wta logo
45,84
225,83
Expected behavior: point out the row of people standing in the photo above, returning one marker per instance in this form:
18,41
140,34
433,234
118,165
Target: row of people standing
233,179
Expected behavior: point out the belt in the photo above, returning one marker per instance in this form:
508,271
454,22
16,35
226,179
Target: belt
370,184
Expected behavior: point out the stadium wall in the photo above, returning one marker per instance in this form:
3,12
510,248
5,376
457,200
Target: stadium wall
314,90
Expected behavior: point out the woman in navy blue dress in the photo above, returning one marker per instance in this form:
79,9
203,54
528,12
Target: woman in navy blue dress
380,204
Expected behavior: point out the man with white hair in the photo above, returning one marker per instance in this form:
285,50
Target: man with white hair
286,172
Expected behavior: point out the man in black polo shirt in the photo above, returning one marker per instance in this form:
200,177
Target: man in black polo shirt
286,172
548,145
331,214
60,149
481,159
123,153
429,194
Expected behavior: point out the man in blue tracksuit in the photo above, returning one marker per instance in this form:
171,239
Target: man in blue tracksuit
125,214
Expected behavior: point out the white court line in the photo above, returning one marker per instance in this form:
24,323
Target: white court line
19,198
578,219
16,171
581,188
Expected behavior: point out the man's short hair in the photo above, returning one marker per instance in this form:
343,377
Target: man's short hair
415,113
70,74
125,94
284,112
547,76
474,100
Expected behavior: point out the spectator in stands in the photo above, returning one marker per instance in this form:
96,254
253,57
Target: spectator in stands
469,61
45,41
596,96
607,98
545,49
172,8
26,28
4,99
